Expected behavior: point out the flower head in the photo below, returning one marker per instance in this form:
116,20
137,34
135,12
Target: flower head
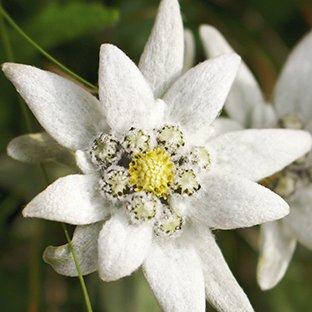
153,184
292,109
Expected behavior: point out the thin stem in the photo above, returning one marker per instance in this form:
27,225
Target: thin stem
36,274
77,264
6,41
10,56
13,24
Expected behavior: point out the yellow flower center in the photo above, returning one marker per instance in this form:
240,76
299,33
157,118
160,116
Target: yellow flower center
152,172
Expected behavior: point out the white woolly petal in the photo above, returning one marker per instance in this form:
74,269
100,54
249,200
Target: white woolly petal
70,114
38,147
256,154
189,50
264,116
122,247
73,199
220,126
85,244
162,60
300,217
245,93
276,250
175,275
293,91
223,125
222,289
195,99
84,162
229,202
126,96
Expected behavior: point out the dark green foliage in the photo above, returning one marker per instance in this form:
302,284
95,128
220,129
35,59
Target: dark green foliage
262,31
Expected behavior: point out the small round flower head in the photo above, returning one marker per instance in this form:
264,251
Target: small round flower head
105,150
286,186
142,207
200,157
171,138
186,182
137,141
115,182
291,122
169,224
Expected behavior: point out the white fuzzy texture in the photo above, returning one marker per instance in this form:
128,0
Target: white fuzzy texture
245,93
36,147
264,116
122,247
222,290
300,217
293,91
85,244
84,162
276,250
256,154
223,125
189,50
162,59
73,199
175,275
196,99
71,115
126,96
229,202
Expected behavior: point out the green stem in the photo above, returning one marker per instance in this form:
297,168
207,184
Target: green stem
10,56
35,272
34,304
77,264
9,19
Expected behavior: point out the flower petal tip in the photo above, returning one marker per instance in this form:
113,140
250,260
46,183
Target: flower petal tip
265,285
10,149
230,60
284,210
26,212
172,3
304,138
7,68
109,277
206,29
266,282
4,66
108,47
49,253
307,137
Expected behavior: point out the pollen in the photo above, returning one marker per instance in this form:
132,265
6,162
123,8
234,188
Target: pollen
152,172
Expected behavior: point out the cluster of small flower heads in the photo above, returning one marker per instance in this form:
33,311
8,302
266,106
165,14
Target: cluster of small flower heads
286,182
143,170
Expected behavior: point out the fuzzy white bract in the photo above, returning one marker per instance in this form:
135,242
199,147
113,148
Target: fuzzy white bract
292,109
153,181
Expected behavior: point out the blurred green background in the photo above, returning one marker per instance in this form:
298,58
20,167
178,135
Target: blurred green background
262,31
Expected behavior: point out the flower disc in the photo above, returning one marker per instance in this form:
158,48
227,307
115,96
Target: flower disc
152,172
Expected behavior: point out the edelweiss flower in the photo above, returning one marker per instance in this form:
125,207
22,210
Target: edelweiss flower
292,109
153,184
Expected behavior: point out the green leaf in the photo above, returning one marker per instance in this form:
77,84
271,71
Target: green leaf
57,24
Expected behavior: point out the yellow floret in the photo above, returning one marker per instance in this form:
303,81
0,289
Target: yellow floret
152,172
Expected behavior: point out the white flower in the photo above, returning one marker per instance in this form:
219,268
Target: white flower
292,109
150,193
